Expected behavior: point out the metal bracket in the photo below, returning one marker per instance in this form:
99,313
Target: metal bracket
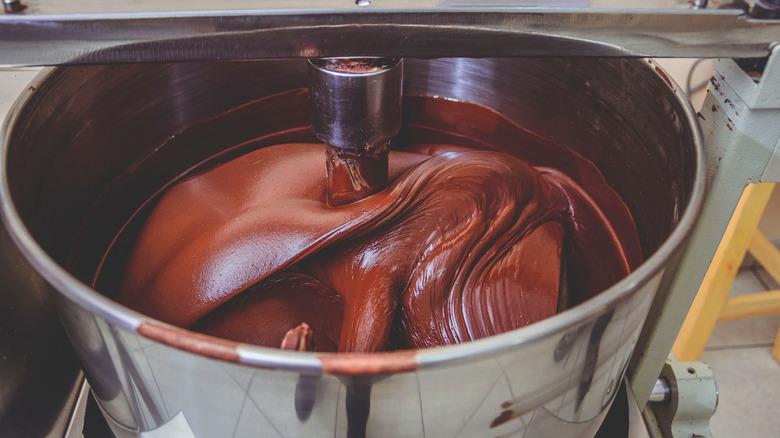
688,398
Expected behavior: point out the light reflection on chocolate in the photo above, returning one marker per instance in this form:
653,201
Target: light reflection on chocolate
464,244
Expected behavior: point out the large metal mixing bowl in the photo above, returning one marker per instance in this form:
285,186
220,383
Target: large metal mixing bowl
79,129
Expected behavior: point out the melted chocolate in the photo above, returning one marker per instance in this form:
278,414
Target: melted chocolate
465,243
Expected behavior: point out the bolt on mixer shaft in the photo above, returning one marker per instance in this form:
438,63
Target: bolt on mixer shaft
356,110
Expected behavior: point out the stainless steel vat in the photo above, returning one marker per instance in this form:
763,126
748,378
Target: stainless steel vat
77,129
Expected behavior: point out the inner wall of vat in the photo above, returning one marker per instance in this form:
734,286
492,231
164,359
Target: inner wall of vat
84,128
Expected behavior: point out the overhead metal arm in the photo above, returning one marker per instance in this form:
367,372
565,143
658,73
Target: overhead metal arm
49,32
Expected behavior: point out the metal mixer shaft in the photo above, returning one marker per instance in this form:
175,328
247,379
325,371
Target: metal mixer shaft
356,110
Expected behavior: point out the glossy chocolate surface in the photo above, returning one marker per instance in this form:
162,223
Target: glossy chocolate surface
470,239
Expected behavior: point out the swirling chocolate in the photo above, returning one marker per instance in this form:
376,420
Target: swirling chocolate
469,240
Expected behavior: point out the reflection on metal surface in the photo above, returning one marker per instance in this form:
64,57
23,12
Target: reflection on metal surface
177,427
636,424
12,6
76,424
38,369
624,418
661,392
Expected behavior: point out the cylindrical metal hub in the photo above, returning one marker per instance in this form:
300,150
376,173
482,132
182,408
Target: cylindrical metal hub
356,102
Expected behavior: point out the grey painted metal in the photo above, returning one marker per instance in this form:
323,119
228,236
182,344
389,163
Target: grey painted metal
742,145
755,91
694,399
77,128
51,32
753,94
